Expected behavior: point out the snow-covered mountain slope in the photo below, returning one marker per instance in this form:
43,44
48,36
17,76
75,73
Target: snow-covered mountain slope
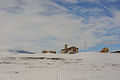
21,51
81,66
14,51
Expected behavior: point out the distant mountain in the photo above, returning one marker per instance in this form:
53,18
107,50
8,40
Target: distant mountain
21,51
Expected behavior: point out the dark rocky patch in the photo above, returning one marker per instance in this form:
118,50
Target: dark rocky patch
55,59
27,58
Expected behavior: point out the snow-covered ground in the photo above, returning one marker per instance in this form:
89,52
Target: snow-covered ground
81,66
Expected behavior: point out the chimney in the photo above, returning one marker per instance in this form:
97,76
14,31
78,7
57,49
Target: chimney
66,46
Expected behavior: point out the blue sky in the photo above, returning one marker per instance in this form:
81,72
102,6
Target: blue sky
49,24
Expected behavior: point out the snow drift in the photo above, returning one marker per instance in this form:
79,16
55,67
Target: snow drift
81,66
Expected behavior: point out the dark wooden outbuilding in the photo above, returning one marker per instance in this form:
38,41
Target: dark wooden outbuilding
105,50
70,50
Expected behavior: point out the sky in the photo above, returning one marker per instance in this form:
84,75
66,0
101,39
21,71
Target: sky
37,25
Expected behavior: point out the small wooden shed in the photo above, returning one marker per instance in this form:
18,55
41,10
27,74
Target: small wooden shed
46,51
105,50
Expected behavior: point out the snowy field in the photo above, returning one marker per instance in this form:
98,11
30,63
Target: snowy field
81,66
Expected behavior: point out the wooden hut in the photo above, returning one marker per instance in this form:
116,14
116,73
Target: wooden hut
70,50
46,51
105,50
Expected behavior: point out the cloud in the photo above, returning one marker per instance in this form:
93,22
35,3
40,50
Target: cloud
71,1
97,1
38,25
112,42
8,3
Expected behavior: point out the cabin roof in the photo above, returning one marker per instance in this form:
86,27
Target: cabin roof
72,47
